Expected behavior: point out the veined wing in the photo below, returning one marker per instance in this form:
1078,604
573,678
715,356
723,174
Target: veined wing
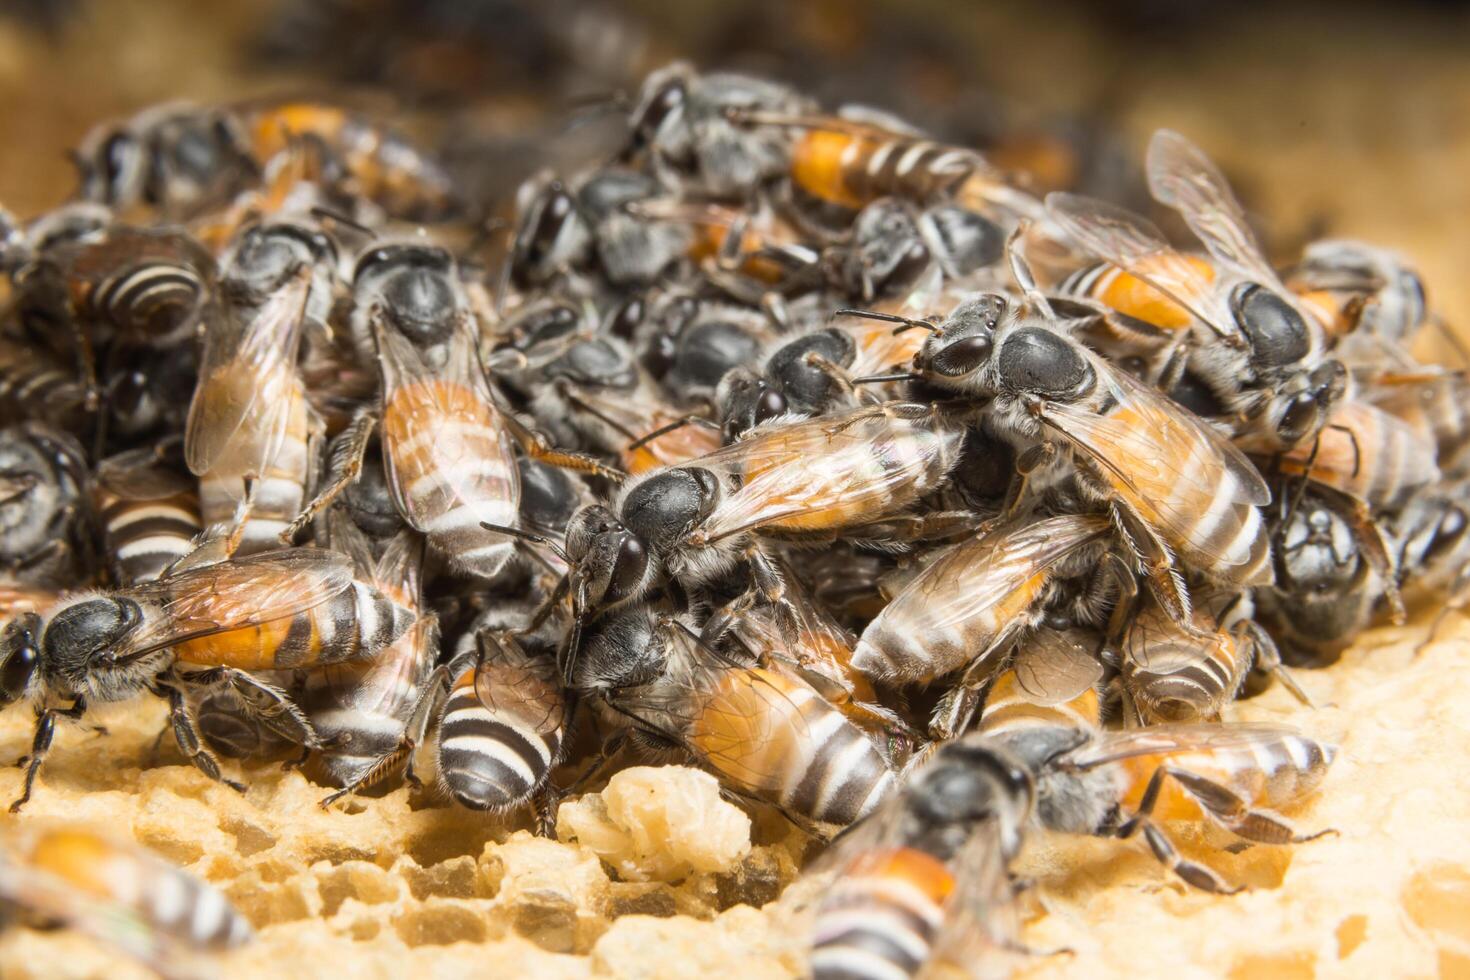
1051,667
1173,738
511,684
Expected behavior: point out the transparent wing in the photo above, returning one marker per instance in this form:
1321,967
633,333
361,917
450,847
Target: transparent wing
1182,177
980,574
828,472
1170,465
1170,738
1158,645
1341,456
513,685
233,594
249,361
140,475
1055,666
1133,244
978,936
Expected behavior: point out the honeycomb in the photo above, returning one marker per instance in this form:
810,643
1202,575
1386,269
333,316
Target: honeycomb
657,876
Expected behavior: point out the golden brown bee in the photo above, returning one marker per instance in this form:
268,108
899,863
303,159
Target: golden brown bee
117,893
924,884
282,610
183,159
763,731
960,613
1051,681
1228,319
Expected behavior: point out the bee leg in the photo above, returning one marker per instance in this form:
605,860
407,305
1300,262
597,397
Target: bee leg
41,745
545,802
271,705
1238,817
954,712
766,575
1033,459
1191,872
723,619
1268,657
344,467
422,715
186,733
538,447
381,768
664,430
1164,580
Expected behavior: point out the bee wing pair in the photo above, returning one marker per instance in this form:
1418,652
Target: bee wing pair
519,688
248,366
823,469
1052,667
1181,475
234,594
1171,739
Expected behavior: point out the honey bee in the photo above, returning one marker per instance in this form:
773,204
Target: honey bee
924,882
681,124
361,709
765,733
250,430
277,610
1434,404
810,479
183,159
1176,486
1228,318
43,510
116,893
35,385
892,246
961,612
1172,674
1052,681
1433,537
149,510
447,444
1357,289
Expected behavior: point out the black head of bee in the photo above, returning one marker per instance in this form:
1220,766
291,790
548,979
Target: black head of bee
414,286
971,782
77,638
663,509
964,241
888,253
548,495
267,256
19,656
110,173
612,563
747,400
1039,361
1308,406
1276,331
1318,551
964,343
595,363
627,318
549,322
806,386
547,219
665,102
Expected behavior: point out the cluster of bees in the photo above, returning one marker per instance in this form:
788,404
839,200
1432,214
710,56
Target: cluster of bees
788,442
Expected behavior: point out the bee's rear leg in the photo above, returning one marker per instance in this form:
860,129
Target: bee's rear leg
1236,815
1191,872
539,447
186,733
344,467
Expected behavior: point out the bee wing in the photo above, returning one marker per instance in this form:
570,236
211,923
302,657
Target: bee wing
234,594
1173,467
1169,738
784,471
994,566
247,370
1133,244
1181,176
344,536
978,935
139,474
1052,667
526,689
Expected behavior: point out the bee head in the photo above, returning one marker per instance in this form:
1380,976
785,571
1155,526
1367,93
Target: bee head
888,254
1307,400
548,213
964,241
19,656
665,94
79,636
611,563
974,781
746,400
963,344
111,170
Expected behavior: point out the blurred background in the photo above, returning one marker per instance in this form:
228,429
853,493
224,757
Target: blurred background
1342,118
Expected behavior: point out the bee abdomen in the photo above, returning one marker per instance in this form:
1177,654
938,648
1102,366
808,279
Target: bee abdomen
844,777
487,762
1198,688
881,918
155,300
195,911
145,537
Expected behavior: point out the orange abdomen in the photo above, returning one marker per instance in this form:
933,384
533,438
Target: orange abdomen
821,161
1133,297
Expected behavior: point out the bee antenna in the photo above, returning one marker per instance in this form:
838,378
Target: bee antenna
874,379
337,217
905,323
528,536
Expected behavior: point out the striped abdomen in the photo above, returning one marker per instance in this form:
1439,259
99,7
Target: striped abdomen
1008,709
1435,406
1370,454
1131,296
175,903
280,486
451,467
361,708
852,170
355,623
495,757
1267,774
778,740
155,301
33,386
1174,675
144,537
880,919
